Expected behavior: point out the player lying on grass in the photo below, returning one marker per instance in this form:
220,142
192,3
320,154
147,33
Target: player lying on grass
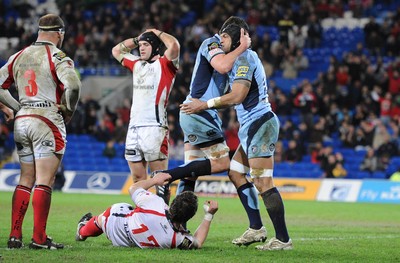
151,223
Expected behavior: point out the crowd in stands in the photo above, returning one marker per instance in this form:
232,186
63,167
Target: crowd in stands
355,102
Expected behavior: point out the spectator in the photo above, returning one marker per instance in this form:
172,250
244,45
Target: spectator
289,67
314,32
292,153
370,162
109,150
285,26
300,60
306,101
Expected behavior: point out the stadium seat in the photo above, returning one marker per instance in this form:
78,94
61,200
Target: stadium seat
379,175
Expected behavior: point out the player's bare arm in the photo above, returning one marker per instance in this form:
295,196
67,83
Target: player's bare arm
9,113
159,179
223,63
240,89
124,47
171,43
210,208
72,84
8,100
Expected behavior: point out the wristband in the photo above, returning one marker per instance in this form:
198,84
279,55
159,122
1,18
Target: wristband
214,103
208,217
123,48
160,34
135,41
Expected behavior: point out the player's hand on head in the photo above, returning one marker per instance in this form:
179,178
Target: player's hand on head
245,38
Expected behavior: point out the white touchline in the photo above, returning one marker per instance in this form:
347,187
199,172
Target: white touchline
344,238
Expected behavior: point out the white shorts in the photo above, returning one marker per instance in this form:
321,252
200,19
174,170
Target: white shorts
149,143
39,132
114,224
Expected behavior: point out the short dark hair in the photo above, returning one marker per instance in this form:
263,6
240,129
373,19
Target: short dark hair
183,207
51,22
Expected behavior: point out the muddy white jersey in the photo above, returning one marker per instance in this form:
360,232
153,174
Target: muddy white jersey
152,83
38,72
149,226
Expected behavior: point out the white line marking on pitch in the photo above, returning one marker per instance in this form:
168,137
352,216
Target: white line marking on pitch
345,238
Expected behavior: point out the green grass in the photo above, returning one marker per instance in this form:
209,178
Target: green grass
321,232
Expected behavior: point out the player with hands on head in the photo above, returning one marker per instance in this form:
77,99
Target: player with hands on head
153,76
43,75
258,134
151,223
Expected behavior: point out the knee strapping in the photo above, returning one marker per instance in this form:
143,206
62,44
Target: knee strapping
238,167
258,173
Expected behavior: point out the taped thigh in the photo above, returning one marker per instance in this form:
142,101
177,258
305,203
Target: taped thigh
217,151
193,154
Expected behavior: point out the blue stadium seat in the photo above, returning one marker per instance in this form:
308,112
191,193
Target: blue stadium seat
379,175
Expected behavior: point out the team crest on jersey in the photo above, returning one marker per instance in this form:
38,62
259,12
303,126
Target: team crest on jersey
242,71
213,48
213,45
59,55
192,138
254,149
264,148
272,147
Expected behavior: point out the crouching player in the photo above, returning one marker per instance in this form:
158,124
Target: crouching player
151,223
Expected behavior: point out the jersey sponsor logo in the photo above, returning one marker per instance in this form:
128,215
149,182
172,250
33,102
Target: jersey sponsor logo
242,71
59,55
47,143
131,152
186,244
211,133
192,138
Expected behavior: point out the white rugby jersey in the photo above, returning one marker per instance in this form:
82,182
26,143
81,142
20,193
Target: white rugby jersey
149,226
38,72
152,83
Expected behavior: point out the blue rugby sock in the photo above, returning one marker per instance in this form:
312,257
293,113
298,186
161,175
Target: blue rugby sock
248,196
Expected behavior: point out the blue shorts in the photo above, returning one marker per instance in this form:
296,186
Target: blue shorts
259,136
201,128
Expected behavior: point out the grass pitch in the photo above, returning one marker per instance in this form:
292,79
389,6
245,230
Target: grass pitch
321,232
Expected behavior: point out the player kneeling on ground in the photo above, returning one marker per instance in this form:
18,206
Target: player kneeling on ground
152,223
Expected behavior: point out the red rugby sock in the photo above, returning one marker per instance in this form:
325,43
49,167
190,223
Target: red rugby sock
91,229
20,203
41,205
